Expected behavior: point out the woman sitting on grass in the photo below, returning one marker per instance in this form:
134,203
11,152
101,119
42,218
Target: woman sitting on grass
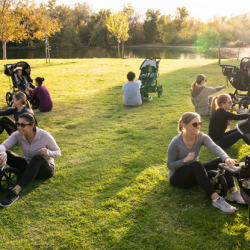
41,94
38,148
185,170
21,106
200,96
220,119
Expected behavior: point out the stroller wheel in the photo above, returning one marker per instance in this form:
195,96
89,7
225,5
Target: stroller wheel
9,177
9,99
244,102
219,184
159,90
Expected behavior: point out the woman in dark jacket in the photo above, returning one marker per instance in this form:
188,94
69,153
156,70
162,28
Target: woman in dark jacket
220,119
21,105
41,94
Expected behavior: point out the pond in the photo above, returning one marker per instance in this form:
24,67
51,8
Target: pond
184,53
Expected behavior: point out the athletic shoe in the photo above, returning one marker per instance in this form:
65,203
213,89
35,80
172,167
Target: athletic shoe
236,197
224,206
9,199
243,111
150,99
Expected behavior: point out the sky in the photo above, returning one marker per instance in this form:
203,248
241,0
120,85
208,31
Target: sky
203,9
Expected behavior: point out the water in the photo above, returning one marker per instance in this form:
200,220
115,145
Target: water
163,53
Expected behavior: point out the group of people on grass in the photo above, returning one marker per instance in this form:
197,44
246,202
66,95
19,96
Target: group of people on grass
39,148
185,169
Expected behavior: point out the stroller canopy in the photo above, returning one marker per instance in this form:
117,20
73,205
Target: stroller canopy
9,68
147,63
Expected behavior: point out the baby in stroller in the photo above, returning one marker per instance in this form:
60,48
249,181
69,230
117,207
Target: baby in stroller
20,80
148,78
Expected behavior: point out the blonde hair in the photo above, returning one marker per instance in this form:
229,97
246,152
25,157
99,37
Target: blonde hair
217,101
186,118
198,80
20,95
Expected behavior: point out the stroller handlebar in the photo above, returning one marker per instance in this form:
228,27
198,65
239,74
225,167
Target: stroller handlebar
238,167
227,65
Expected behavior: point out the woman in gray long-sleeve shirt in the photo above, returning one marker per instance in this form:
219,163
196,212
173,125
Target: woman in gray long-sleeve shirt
200,96
38,148
186,171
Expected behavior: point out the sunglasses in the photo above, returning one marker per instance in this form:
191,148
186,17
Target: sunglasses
195,124
22,125
205,79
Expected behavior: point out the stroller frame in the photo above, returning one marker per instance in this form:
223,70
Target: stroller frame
153,86
239,79
9,71
240,172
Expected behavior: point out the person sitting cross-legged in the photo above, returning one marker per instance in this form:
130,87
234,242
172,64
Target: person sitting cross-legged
39,149
132,92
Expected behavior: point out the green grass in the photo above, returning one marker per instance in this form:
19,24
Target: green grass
111,189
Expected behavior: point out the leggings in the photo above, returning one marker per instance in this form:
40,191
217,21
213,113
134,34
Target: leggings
7,124
38,168
230,138
196,173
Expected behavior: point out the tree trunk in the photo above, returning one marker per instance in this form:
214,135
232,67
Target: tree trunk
118,49
122,49
4,50
219,54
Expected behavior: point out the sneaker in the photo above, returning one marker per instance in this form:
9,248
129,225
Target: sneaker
150,99
236,197
224,206
9,199
243,111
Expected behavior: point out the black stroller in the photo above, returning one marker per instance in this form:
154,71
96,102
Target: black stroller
240,80
9,70
241,171
149,81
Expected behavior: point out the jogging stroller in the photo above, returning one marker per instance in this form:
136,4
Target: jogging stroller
149,79
241,171
9,70
240,80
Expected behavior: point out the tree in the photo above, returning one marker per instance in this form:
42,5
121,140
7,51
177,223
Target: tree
150,25
21,20
118,26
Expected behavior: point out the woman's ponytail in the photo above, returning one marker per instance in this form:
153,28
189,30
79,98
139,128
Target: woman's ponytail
29,106
199,78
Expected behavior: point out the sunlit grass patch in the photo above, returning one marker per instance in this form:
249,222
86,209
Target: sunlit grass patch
111,188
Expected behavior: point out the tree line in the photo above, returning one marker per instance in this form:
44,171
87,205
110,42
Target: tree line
78,26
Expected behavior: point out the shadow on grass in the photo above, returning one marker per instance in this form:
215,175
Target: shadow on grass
111,181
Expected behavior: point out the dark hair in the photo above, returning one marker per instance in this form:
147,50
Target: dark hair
39,80
20,95
131,76
29,118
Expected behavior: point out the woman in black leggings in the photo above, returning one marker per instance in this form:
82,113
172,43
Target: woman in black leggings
186,171
39,150
21,105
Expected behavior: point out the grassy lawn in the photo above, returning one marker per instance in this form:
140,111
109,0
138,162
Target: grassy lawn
111,189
